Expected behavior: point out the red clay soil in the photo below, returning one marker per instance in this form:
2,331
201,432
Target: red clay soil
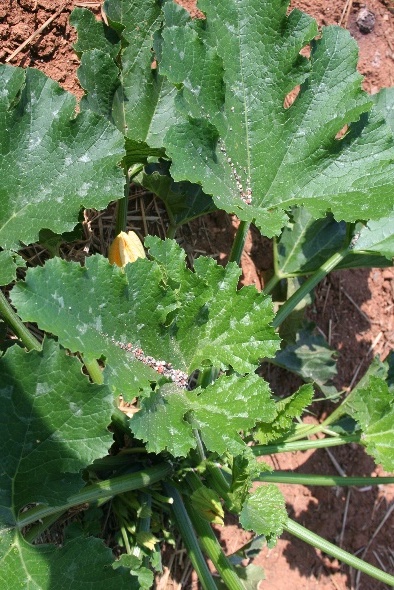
354,309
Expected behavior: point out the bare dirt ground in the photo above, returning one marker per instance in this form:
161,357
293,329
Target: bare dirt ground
355,309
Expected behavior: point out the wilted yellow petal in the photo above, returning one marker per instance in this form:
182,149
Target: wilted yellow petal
125,248
146,539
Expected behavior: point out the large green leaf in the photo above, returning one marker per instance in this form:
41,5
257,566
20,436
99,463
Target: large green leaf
215,323
53,424
231,404
90,309
238,141
182,317
52,162
129,90
81,564
371,404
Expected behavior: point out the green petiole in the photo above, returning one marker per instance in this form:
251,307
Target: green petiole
316,541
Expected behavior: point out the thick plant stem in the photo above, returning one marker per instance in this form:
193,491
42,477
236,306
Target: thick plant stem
189,538
103,490
239,242
309,284
316,541
304,445
322,480
143,523
209,542
16,324
213,550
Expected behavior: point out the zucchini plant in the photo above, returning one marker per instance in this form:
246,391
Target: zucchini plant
194,111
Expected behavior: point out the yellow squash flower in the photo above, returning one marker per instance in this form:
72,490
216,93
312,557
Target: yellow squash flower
125,248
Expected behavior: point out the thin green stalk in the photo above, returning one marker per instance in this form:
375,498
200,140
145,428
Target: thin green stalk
274,280
170,234
121,213
309,284
207,376
18,327
95,373
125,538
123,203
322,480
239,242
310,429
122,207
336,414
200,446
189,538
209,543
217,480
304,430
304,445
105,489
270,286
110,462
316,541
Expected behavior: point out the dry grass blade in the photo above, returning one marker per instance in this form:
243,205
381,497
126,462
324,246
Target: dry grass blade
370,349
376,532
345,14
345,514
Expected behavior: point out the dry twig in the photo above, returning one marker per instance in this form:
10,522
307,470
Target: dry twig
377,530
345,14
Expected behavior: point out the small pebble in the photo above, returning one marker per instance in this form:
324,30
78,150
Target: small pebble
365,20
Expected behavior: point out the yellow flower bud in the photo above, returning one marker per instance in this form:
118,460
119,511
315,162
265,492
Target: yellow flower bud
125,248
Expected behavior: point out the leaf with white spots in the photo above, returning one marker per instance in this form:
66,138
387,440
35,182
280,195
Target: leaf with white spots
52,161
220,412
190,319
256,157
